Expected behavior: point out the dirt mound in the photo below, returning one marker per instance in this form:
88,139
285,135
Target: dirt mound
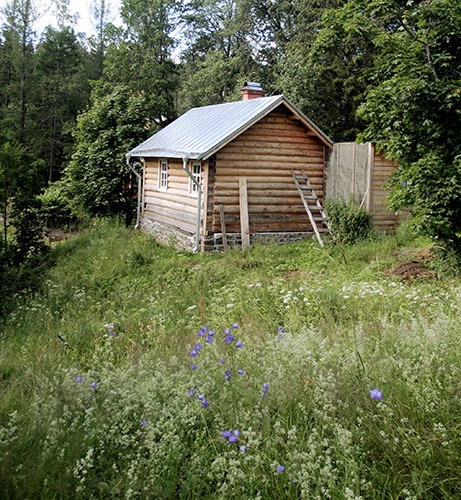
412,270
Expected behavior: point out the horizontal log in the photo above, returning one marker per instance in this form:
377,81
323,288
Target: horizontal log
266,200
176,215
264,209
261,143
174,188
271,174
291,158
266,193
258,183
277,134
175,205
296,164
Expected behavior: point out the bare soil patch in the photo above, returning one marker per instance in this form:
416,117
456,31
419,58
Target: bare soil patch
409,271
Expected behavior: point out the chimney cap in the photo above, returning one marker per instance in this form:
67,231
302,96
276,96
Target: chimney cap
252,86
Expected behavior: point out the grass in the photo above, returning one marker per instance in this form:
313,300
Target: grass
137,433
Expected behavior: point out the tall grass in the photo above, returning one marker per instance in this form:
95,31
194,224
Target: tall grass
100,393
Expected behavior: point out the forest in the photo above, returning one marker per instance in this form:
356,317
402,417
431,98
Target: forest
71,106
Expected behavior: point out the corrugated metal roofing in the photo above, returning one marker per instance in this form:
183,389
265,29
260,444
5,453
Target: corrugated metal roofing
200,131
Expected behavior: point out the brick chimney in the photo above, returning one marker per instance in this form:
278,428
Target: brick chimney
252,90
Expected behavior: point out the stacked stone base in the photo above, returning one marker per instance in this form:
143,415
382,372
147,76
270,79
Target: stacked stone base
183,240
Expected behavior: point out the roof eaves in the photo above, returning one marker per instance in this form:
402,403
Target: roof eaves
160,153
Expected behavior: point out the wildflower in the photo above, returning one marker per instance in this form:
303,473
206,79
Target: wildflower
94,386
144,423
227,331
242,372
79,379
280,469
209,340
236,433
193,367
225,434
280,329
205,403
243,448
235,326
232,439
211,333
191,392
193,353
201,397
198,347
227,374
222,361
201,333
376,394
228,339
239,345
264,390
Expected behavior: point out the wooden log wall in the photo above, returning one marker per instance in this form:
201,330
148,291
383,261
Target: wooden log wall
265,154
176,206
381,217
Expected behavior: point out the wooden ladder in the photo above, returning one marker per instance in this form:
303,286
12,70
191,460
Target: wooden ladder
312,205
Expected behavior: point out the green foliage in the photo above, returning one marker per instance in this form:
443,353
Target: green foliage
61,92
348,221
219,56
414,111
98,177
57,208
138,432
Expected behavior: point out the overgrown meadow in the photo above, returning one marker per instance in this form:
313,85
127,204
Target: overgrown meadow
136,371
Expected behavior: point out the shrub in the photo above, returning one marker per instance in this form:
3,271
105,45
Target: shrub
348,221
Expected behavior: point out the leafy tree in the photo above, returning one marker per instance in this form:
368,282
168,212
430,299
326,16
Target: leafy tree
140,55
221,51
414,111
98,178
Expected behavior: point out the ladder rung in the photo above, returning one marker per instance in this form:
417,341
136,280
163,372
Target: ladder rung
314,207
319,219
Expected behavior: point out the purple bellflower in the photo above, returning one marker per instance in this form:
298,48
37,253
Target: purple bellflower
376,394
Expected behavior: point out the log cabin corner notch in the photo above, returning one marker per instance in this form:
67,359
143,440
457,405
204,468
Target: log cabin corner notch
193,168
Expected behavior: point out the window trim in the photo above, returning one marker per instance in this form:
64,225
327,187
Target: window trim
163,182
193,191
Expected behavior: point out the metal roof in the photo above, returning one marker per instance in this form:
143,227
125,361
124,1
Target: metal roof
200,132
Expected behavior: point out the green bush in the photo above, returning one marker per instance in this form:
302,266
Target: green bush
56,206
348,221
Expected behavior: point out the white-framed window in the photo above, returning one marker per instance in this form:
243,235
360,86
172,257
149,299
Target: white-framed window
196,171
163,175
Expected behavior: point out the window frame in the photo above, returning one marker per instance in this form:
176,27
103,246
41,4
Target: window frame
193,189
163,174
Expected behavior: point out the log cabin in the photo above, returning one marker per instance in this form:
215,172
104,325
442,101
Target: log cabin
226,174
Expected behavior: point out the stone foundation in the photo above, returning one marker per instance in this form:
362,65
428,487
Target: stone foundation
169,235
183,240
215,243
